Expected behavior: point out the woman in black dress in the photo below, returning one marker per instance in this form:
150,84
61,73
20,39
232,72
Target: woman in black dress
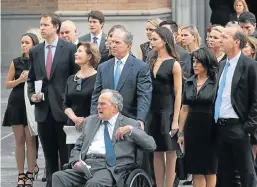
166,102
196,123
79,88
15,115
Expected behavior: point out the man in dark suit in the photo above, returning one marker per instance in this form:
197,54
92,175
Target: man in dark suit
96,35
236,113
52,62
126,74
109,126
247,22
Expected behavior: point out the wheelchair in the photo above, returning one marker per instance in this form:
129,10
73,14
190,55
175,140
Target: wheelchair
132,177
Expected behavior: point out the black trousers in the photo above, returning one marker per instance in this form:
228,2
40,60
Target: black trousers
53,140
236,163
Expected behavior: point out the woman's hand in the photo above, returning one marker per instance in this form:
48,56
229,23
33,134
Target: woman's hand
78,122
23,77
174,128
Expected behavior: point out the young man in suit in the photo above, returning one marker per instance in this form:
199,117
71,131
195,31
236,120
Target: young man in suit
52,62
247,22
96,35
108,127
126,74
236,112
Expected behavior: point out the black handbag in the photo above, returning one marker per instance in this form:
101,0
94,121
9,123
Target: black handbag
181,172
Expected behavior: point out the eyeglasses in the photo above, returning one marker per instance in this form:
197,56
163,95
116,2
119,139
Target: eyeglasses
79,82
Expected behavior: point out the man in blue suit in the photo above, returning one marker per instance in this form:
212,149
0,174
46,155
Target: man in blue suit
126,74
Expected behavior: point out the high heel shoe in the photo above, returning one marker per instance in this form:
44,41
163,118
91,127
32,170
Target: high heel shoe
29,177
44,176
35,172
21,177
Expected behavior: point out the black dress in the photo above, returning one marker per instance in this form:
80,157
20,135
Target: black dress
79,100
15,113
199,130
162,107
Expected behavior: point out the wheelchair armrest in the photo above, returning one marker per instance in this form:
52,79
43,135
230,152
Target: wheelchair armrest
127,167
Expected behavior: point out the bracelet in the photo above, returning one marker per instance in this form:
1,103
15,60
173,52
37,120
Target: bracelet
180,134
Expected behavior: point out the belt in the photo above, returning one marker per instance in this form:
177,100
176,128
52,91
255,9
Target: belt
94,156
228,121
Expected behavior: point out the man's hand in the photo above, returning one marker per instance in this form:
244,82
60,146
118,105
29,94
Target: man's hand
76,165
122,131
36,98
142,124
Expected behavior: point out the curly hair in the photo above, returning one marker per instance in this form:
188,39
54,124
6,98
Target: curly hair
208,60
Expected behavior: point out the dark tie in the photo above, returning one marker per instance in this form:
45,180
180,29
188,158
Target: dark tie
95,40
220,92
110,154
49,61
117,74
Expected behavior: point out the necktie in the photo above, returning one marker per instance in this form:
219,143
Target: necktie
117,74
49,61
110,154
95,40
220,92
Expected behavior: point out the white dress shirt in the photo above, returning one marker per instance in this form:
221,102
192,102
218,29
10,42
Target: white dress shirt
123,60
54,45
99,38
97,145
226,109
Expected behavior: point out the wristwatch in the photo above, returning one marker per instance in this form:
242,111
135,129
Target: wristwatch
180,134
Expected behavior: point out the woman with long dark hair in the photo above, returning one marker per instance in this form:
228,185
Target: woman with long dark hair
166,102
196,123
15,115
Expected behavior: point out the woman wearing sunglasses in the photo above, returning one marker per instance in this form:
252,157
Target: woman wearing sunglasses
79,88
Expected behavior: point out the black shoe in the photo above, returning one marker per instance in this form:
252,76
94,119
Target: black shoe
187,183
29,177
21,177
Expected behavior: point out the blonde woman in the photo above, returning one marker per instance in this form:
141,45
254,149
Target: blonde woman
250,48
151,25
240,6
191,39
214,42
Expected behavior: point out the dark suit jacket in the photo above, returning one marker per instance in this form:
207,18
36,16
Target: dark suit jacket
102,48
125,150
135,85
244,92
63,66
233,17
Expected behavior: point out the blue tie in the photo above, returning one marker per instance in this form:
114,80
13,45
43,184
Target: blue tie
220,92
110,154
95,40
117,74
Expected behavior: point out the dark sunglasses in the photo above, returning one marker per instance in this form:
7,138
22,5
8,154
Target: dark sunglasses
79,82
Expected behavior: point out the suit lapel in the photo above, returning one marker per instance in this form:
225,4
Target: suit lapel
125,72
117,125
90,134
102,43
237,73
57,56
41,55
110,73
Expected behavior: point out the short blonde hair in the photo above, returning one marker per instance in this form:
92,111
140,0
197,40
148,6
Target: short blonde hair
193,30
253,42
155,22
244,4
36,31
218,28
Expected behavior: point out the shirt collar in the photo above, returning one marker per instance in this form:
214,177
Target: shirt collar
99,36
113,120
234,60
123,60
54,44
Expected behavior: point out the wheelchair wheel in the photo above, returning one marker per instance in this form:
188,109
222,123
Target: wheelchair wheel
138,178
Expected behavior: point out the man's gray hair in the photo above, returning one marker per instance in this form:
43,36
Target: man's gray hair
128,37
116,98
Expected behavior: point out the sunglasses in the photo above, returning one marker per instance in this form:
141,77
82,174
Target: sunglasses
79,82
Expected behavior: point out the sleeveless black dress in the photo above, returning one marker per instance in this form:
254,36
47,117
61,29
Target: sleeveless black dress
15,113
162,107
200,130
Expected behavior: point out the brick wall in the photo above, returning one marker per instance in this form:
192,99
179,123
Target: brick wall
35,6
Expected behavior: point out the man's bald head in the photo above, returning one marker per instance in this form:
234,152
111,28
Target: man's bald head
68,31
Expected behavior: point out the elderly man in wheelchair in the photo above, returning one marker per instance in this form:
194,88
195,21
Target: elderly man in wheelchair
105,153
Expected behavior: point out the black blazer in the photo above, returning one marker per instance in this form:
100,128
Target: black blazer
135,85
244,92
102,48
63,66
